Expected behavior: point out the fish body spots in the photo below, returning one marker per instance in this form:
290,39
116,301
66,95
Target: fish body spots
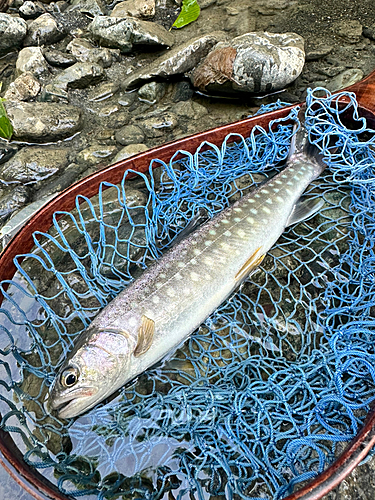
212,231
251,200
181,264
196,251
171,292
208,261
269,201
208,243
265,191
241,233
277,181
237,219
238,210
278,198
225,221
194,276
254,211
276,190
227,233
256,195
250,220
267,210
178,276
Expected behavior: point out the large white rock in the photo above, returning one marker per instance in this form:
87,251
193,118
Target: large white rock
12,31
253,62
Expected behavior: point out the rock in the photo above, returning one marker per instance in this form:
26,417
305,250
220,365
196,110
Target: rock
44,30
94,154
130,134
24,88
12,199
40,122
123,33
134,8
103,91
31,10
54,93
254,62
6,152
177,61
84,51
130,150
344,79
183,91
79,76
91,7
349,31
190,109
59,58
369,32
270,7
315,53
12,31
32,164
152,92
30,59
157,126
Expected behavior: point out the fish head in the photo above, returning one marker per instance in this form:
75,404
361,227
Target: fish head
90,374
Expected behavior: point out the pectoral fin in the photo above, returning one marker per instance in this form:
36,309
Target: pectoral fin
304,209
145,336
253,262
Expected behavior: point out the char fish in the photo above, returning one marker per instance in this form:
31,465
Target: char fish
159,310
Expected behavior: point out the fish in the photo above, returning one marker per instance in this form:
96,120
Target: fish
174,296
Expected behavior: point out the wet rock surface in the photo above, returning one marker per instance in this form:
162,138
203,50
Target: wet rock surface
131,90
39,122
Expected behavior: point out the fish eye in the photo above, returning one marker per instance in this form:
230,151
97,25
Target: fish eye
69,377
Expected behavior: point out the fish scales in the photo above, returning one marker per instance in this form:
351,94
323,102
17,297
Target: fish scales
176,294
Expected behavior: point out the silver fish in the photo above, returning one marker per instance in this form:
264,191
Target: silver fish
173,297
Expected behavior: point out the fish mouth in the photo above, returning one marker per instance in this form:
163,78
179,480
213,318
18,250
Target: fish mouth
71,405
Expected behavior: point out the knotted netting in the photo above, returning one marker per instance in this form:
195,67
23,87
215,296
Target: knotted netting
264,395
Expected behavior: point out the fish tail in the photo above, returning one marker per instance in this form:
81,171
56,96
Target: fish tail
301,149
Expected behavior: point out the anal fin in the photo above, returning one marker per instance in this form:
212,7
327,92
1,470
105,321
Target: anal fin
303,209
254,260
145,336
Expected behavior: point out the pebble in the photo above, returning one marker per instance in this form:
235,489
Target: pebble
130,150
59,58
190,109
95,154
254,62
42,121
24,88
91,7
31,59
344,79
32,164
134,8
157,126
369,32
84,51
152,92
350,31
103,91
12,31
79,76
130,134
6,152
12,199
44,30
31,10
316,53
123,33
178,60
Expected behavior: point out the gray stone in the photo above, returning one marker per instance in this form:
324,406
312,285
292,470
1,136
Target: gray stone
92,7
44,30
344,79
349,31
134,8
32,164
152,92
190,109
123,33
103,91
40,122
79,76
54,93
12,198
59,58
12,31
254,62
84,51
177,61
31,59
183,91
130,134
31,10
6,152
315,53
96,153
369,32
157,126
24,88
130,150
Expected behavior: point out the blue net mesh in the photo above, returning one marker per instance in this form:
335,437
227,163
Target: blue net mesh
266,392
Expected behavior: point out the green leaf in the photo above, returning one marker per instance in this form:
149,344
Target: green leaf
190,12
6,129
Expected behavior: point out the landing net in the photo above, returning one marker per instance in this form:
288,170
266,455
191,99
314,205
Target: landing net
266,393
